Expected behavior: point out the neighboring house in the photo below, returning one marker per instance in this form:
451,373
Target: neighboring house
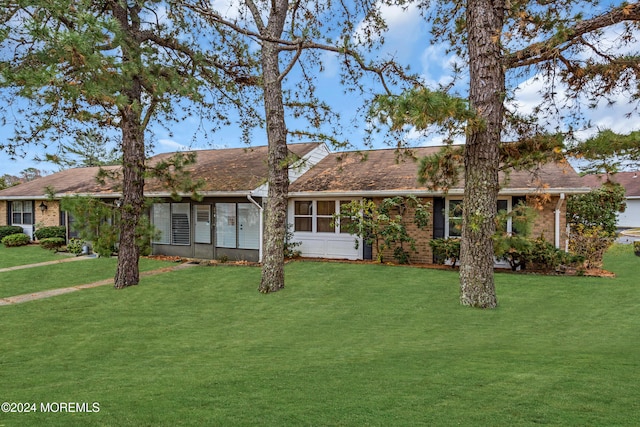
228,220
630,218
341,177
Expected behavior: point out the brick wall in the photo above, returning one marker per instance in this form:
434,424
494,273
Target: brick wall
422,237
544,224
3,212
51,216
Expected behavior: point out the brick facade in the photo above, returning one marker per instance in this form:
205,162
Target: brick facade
3,212
423,252
51,216
544,225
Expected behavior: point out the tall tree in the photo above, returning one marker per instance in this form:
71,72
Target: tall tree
563,43
88,148
112,66
287,35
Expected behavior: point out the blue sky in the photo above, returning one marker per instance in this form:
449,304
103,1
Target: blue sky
408,43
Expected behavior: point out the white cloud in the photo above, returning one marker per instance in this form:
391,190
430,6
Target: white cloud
604,116
171,145
404,28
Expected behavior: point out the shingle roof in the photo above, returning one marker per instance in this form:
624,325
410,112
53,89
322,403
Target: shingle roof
231,169
67,182
629,180
222,170
388,171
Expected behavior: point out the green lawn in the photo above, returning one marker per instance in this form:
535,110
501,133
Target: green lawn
30,254
341,345
62,275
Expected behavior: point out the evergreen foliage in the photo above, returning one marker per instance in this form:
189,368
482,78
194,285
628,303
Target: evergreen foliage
8,230
384,225
51,231
18,239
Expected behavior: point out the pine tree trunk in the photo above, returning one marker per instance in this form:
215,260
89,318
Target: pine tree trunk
278,176
133,161
481,158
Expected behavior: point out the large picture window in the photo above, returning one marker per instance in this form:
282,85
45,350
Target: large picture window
317,215
172,222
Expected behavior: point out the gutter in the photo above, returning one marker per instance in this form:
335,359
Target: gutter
260,246
427,193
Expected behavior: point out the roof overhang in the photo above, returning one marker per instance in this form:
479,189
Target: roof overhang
431,193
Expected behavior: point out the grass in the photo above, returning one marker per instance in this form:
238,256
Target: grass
18,282
11,257
341,345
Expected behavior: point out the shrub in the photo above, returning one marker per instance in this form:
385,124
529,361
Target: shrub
52,243
591,243
290,246
52,231
636,247
384,225
445,250
75,246
8,230
515,250
545,256
20,239
600,207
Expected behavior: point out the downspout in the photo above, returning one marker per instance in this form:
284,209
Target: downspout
557,224
252,200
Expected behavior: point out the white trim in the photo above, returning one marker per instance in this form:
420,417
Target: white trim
261,236
557,213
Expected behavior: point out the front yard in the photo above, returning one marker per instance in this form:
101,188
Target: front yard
342,344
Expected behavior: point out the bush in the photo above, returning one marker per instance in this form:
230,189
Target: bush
590,243
52,231
636,248
75,246
20,239
52,243
445,250
8,230
290,246
515,250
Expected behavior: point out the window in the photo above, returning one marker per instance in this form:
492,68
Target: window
226,225
161,221
343,220
22,212
202,214
455,218
317,216
454,213
324,218
172,221
180,228
303,216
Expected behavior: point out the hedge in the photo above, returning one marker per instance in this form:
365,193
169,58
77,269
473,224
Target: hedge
52,231
8,230
16,240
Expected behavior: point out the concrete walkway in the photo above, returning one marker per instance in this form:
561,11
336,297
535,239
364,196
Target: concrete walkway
40,264
60,291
